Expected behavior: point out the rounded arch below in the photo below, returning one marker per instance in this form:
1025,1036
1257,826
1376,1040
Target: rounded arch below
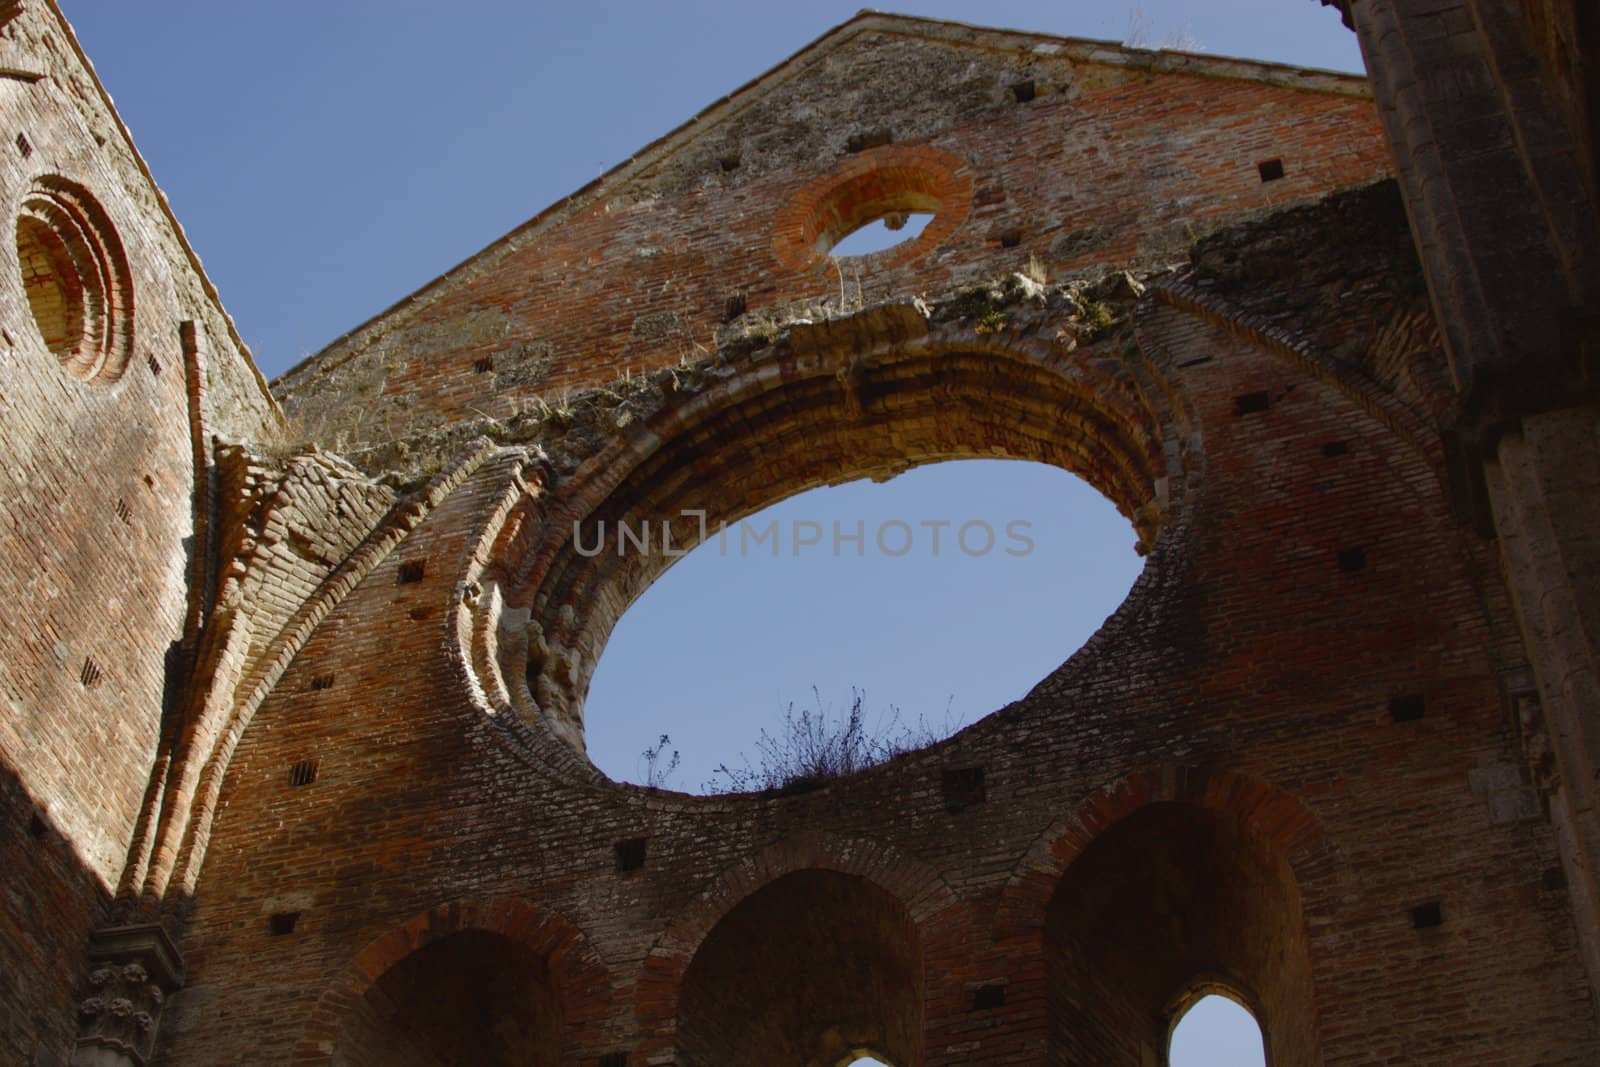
1171,881
580,982
928,901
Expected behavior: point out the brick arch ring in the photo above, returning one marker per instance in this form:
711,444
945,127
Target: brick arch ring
1282,818
582,981
867,186
927,897
865,396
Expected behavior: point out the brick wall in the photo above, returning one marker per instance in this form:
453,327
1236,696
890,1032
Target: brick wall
99,404
1118,158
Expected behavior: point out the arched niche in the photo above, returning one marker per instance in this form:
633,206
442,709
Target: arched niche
815,969
471,998
1172,902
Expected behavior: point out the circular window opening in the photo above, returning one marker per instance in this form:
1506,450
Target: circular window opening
852,622
75,279
883,185
883,233
1216,1031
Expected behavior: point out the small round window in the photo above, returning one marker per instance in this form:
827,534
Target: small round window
76,280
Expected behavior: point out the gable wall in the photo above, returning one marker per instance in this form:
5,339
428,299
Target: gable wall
1109,165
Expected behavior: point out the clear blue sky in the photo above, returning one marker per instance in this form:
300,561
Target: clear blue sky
327,157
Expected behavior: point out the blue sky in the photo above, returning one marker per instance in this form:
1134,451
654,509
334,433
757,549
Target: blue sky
327,157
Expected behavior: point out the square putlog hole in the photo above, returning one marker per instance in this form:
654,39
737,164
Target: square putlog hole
411,570
860,142
962,788
1270,169
1427,916
1407,708
1251,403
631,853
282,923
1352,560
989,997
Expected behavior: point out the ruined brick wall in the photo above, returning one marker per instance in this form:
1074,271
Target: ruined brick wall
1302,763
1311,664
1070,154
103,401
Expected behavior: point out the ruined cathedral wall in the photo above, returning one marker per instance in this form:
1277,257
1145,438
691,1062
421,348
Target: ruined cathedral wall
1061,156
104,393
1309,670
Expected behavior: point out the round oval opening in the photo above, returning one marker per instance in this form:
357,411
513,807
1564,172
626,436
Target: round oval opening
831,631
882,233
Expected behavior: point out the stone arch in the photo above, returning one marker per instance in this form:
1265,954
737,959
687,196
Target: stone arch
577,984
929,905
1201,873
867,396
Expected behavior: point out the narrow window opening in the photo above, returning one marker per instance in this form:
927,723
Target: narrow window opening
1271,169
1216,1029
882,233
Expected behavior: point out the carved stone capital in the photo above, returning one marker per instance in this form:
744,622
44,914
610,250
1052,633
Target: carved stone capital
132,971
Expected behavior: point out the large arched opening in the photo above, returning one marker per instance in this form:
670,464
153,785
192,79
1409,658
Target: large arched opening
816,969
